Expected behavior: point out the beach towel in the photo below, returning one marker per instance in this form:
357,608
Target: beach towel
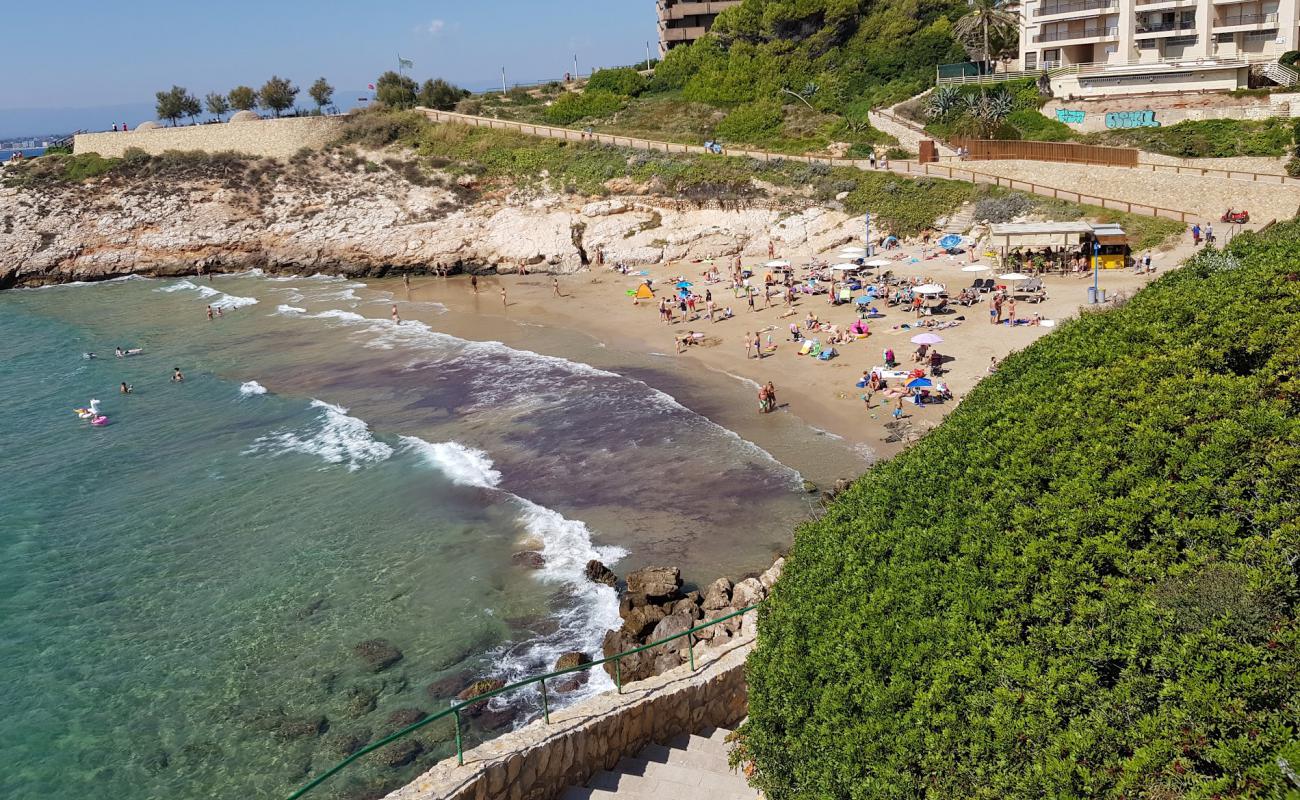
807,346
827,354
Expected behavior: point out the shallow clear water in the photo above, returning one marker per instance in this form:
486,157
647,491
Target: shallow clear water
183,586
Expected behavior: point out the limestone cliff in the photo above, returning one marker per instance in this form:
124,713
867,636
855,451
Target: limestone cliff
359,218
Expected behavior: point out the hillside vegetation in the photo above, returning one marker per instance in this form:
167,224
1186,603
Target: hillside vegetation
1084,583
787,75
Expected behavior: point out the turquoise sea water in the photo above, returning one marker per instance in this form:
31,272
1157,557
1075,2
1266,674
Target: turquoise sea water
182,589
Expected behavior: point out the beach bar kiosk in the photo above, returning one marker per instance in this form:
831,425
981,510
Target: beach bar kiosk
1114,251
1062,237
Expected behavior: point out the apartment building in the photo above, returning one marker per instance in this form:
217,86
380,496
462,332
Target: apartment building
684,22
1156,44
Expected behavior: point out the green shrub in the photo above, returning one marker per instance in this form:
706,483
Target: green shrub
1293,166
1211,138
752,123
1289,58
377,128
623,80
1034,126
899,154
1082,583
574,106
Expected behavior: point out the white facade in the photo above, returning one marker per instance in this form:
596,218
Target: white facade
1125,32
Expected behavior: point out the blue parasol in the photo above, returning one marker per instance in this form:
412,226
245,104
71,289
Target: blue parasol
864,299
684,285
950,241
919,383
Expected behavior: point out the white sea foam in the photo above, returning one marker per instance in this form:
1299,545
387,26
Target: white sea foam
213,297
566,547
521,386
251,389
287,311
463,465
337,439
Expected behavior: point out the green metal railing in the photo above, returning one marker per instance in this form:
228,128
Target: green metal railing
455,710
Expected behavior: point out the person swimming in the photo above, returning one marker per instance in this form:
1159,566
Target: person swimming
177,377
88,356
125,389
119,352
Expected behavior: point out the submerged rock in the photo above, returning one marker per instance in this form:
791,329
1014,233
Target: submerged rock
301,727
528,558
404,717
401,753
359,701
477,688
378,654
346,743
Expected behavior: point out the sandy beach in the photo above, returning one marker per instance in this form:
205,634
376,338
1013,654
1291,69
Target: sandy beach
722,381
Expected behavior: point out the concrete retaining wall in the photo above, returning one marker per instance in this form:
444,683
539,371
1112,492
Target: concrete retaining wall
1170,109
271,138
539,761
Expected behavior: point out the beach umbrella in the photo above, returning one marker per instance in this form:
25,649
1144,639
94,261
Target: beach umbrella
950,241
976,268
845,267
864,300
780,262
858,250
918,383
684,285
929,288
1013,276
878,262
927,338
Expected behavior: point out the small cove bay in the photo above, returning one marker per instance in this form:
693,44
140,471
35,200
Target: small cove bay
183,591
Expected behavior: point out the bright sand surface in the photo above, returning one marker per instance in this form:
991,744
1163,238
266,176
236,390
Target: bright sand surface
723,381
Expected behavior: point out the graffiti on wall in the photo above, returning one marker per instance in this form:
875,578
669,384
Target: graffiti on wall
1131,119
1066,115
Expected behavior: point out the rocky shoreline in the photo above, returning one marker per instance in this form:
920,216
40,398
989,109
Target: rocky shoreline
367,220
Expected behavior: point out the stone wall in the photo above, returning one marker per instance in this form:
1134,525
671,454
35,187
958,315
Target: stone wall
271,138
1172,108
538,761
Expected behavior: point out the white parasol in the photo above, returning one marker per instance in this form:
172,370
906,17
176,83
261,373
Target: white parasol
878,262
780,262
976,268
1013,276
929,288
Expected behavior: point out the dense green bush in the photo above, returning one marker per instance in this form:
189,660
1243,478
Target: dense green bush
573,106
623,80
1083,583
1033,126
752,123
1210,138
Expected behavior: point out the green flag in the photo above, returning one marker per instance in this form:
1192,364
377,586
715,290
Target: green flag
404,63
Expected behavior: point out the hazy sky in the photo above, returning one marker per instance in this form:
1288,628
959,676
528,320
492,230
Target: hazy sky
81,54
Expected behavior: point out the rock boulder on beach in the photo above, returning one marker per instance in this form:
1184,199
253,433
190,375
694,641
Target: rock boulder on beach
656,583
378,654
528,558
597,572
573,658
717,595
477,688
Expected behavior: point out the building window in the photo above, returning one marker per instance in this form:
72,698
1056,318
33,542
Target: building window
1148,44
1031,61
1180,41
1224,38
1268,34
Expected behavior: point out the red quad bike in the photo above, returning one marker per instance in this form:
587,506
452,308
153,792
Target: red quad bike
1238,217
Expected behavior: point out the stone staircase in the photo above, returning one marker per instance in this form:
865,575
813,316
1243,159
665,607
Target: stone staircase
961,221
688,767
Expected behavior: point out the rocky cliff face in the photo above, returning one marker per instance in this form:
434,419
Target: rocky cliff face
360,221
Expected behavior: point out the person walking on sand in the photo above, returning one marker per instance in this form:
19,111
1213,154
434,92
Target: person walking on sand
397,320
749,292
1011,311
758,346
504,303
406,280
473,283
1209,234
749,345
771,397
555,283
1196,235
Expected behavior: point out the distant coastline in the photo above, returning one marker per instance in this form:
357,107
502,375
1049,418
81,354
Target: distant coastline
28,152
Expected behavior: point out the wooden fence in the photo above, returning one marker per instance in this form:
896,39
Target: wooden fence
1064,152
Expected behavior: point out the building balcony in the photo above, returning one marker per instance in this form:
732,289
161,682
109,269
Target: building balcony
1068,8
1245,22
681,34
1160,29
1157,5
1078,35
681,10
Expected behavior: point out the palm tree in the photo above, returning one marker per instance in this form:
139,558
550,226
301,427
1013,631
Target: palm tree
996,21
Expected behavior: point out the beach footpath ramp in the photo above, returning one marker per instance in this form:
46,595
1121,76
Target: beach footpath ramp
688,766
